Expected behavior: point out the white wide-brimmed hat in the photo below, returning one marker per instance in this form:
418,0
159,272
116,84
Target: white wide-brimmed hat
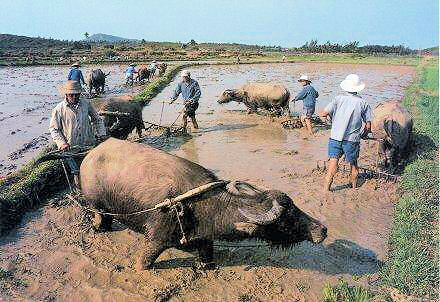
304,78
70,87
352,83
133,64
185,73
76,64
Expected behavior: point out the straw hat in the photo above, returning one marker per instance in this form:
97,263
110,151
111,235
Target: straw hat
70,87
76,64
352,83
304,78
185,73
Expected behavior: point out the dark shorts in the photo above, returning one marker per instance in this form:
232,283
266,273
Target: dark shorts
309,111
350,149
190,109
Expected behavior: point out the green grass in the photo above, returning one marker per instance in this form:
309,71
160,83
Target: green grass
342,292
412,265
27,188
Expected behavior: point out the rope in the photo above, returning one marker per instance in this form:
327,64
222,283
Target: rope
72,198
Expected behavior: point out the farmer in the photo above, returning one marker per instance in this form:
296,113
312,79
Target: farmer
308,94
129,74
348,112
70,124
152,68
190,93
75,74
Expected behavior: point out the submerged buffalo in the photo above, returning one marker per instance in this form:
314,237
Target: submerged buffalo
121,116
96,80
392,126
259,95
143,73
124,177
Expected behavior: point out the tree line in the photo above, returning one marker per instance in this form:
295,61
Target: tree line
353,47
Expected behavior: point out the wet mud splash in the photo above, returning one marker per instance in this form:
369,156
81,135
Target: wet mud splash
55,255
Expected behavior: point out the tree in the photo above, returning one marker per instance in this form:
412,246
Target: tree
86,35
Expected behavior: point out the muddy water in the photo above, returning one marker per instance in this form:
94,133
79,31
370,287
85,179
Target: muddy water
27,96
56,256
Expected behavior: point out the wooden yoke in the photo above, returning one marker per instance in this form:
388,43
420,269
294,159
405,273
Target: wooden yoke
169,202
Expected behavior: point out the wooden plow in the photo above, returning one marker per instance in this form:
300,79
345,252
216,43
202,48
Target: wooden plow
321,165
294,122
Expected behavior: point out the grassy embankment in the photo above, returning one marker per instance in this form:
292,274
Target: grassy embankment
412,265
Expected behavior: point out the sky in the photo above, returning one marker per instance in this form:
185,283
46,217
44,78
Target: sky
413,23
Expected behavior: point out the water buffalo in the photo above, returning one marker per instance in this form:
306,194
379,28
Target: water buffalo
124,177
143,73
96,80
259,95
120,116
392,126
162,68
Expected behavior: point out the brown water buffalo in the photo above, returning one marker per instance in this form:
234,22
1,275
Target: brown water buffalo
124,177
162,68
119,124
392,126
267,96
96,80
143,73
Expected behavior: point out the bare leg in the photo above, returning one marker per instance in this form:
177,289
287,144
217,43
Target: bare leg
194,121
354,175
185,121
308,122
331,171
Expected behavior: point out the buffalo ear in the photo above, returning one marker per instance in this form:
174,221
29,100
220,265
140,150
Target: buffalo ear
246,227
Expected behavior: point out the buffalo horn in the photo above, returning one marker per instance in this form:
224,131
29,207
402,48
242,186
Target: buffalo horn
264,218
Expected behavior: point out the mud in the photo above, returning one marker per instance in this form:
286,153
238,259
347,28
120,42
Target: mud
54,255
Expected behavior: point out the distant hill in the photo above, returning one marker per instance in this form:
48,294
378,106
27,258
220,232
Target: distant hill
108,38
13,42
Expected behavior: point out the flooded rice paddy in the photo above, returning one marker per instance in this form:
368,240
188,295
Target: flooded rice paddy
56,254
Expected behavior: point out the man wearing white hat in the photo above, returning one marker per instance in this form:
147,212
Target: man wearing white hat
75,74
190,90
70,123
309,95
348,113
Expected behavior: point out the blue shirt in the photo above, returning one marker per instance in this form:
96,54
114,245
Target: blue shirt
190,92
76,75
309,95
130,71
348,111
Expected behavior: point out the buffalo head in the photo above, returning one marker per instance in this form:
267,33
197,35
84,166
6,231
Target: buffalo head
230,95
273,217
